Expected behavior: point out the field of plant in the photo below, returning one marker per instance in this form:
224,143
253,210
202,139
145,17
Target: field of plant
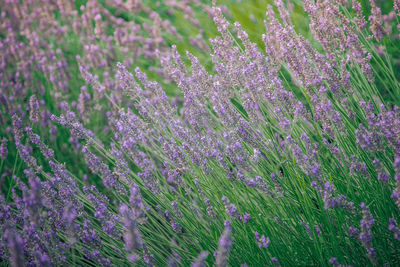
199,133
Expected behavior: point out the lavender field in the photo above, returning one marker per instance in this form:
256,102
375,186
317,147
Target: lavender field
199,133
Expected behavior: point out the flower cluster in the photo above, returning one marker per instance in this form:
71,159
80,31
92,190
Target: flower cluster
299,132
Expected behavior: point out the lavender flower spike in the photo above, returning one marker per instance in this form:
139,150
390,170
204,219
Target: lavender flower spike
225,244
200,260
3,149
366,236
394,228
132,236
15,247
34,113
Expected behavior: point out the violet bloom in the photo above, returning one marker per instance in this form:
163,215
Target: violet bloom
230,208
262,241
353,232
15,245
382,174
317,229
17,127
396,191
275,262
176,209
224,246
132,235
210,210
200,260
97,166
376,21
32,197
69,216
25,152
34,113
335,202
136,203
334,261
35,139
174,224
396,6
3,149
246,217
307,227
366,235
394,228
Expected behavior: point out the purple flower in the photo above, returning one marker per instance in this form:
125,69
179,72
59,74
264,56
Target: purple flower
396,191
335,202
366,235
396,6
3,149
353,232
224,246
275,262
15,246
34,113
132,235
317,229
176,209
262,241
230,208
200,260
334,261
17,127
246,217
35,139
394,228
376,21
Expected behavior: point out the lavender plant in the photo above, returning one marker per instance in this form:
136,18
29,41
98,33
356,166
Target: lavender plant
282,155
